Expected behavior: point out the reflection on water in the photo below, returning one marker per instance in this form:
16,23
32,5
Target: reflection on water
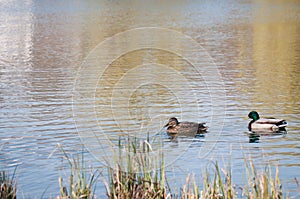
142,95
255,137
256,46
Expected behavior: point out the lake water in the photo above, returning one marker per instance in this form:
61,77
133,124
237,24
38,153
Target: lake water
85,73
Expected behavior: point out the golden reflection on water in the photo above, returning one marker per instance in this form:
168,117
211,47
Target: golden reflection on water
148,104
275,57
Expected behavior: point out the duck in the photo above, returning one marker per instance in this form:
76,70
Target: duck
184,128
265,124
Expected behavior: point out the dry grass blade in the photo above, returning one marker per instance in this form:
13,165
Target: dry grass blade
297,182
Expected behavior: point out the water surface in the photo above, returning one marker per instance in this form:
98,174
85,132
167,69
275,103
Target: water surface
254,45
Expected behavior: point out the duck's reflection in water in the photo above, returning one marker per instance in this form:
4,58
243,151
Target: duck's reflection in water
186,137
255,136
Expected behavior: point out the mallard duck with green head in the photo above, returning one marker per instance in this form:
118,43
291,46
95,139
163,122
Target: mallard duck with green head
265,124
184,128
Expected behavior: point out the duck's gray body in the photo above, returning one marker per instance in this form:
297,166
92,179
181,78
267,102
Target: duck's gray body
184,128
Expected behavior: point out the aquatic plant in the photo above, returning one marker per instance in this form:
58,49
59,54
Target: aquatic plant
263,184
140,180
219,185
8,189
137,179
81,182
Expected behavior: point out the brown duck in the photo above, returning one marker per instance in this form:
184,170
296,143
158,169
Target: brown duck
184,128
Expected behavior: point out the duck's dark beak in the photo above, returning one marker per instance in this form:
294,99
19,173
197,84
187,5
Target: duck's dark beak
166,125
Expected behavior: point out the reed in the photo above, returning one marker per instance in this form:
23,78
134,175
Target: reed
218,185
8,189
137,181
138,177
214,185
81,182
262,184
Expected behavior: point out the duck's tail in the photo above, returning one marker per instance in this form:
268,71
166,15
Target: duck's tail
203,127
282,124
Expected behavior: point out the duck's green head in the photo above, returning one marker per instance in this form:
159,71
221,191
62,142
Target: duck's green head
253,115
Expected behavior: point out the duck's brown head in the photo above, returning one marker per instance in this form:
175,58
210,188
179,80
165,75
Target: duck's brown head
172,122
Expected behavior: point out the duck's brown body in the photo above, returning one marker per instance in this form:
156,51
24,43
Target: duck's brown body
184,128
